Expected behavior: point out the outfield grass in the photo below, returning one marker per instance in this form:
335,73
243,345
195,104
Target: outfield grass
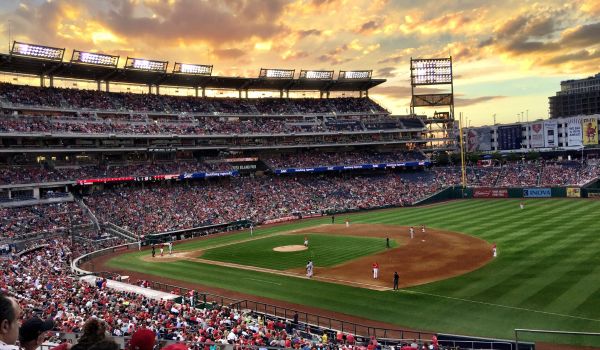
547,274
324,251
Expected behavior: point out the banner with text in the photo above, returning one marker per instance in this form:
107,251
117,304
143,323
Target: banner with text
537,135
574,138
590,131
550,134
537,193
490,193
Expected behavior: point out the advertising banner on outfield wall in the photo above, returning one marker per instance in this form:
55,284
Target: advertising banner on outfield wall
537,193
590,131
490,193
550,134
573,192
537,135
574,135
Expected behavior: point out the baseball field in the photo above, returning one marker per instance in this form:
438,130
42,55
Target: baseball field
546,274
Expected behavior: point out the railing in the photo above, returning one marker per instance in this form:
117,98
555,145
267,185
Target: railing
330,323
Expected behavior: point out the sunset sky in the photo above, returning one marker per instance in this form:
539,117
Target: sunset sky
509,56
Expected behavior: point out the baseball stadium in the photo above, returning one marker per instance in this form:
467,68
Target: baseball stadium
149,204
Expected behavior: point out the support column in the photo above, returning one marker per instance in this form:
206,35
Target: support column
196,91
149,89
203,91
107,86
99,85
42,83
246,93
51,81
281,93
158,89
240,93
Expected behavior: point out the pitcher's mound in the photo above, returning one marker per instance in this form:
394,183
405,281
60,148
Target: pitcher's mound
290,248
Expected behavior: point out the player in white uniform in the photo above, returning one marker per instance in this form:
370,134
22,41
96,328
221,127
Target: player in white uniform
522,205
412,232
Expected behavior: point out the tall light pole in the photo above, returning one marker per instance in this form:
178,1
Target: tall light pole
494,118
527,115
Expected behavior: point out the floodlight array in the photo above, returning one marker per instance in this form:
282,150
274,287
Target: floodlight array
94,58
37,51
316,74
197,69
355,75
147,65
276,73
431,71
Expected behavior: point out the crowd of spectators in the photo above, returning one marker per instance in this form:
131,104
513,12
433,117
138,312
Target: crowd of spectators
313,159
569,173
161,208
519,174
40,282
99,100
199,126
40,219
41,174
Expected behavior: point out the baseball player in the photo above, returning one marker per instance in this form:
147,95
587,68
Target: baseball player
494,251
375,270
309,269
347,222
522,205
412,232
251,230
422,228
153,250
306,241
396,279
162,248
170,248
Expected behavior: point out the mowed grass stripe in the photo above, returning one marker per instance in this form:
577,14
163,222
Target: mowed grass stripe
547,263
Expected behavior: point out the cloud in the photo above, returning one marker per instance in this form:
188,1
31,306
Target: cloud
308,32
386,72
464,102
368,27
190,20
582,55
231,53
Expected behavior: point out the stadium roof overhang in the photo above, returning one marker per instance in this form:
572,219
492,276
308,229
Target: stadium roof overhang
68,70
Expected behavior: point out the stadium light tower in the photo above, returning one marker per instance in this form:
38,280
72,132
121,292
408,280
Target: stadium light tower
146,65
95,59
193,69
37,51
269,73
436,74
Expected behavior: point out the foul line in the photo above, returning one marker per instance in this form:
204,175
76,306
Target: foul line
263,281
499,305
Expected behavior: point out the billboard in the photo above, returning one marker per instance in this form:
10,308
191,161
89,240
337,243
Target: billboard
485,139
490,193
573,192
472,140
590,131
574,134
509,137
550,133
537,135
537,193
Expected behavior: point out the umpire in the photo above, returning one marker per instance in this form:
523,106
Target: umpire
396,278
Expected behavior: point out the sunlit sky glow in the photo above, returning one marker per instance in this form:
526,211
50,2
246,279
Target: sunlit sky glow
509,56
